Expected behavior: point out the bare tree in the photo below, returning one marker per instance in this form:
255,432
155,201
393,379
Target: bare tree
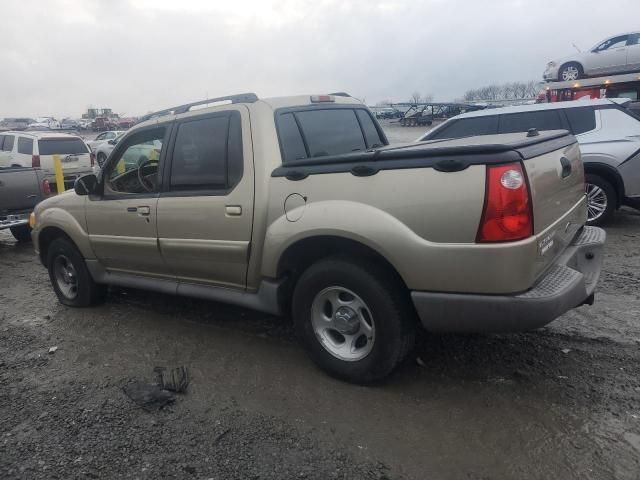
427,97
415,98
506,91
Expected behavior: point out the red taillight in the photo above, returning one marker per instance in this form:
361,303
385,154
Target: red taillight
35,161
507,214
92,156
46,188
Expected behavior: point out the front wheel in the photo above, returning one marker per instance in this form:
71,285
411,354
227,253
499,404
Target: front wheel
355,321
570,71
601,200
70,277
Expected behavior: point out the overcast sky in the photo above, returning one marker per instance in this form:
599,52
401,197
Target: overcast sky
58,57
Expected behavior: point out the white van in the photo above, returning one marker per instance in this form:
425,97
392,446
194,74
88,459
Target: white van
36,149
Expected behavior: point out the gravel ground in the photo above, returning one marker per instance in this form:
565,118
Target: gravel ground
560,402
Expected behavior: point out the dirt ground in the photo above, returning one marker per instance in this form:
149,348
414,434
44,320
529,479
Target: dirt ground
560,402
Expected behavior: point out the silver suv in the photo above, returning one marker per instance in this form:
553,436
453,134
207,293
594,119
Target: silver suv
608,134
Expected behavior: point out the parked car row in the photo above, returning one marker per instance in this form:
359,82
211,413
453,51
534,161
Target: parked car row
607,132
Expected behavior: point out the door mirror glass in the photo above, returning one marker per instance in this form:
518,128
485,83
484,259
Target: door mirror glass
113,142
86,185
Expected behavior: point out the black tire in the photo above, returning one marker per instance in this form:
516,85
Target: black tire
88,292
101,159
392,315
566,67
611,199
22,233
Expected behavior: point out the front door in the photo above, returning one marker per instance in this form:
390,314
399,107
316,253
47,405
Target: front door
205,211
122,221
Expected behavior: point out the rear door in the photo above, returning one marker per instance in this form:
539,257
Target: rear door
633,52
122,220
609,57
205,211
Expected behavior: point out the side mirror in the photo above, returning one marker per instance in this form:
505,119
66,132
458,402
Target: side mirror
112,142
86,185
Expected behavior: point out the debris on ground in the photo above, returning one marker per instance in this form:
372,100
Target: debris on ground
566,350
148,396
177,380
53,349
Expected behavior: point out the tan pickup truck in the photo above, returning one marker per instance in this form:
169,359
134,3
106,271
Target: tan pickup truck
298,205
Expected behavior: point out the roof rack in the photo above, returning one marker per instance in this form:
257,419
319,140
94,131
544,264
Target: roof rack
239,98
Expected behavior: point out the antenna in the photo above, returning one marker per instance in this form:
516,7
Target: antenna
576,47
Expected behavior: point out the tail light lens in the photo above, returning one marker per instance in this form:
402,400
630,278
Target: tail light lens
507,214
35,161
92,156
46,188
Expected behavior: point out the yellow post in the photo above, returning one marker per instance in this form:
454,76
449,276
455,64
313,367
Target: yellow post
57,168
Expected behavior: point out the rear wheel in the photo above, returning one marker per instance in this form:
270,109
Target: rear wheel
355,321
570,71
21,233
70,277
601,200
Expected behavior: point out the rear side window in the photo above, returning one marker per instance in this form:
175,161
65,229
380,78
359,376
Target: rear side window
290,138
371,135
319,133
61,146
7,145
540,120
468,127
207,154
25,145
581,119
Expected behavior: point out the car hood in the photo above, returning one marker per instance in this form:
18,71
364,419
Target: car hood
576,57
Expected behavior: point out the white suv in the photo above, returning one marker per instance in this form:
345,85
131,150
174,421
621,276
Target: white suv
36,149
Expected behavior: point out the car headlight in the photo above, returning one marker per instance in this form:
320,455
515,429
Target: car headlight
551,64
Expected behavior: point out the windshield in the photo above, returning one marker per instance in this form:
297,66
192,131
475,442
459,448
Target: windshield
62,146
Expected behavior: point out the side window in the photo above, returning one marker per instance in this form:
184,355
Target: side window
109,136
331,132
634,39
207,154
102,136
25,145
582,119
1,143
371,135
135,168
615,42
468,127
521,122
7,146
290,138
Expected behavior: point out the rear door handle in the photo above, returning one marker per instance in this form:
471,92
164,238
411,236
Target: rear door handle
234,210
144,211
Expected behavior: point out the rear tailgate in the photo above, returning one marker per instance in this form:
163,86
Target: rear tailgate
556,185
20,189
73,152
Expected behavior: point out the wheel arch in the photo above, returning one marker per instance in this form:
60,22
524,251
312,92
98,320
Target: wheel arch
301,254
611,175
